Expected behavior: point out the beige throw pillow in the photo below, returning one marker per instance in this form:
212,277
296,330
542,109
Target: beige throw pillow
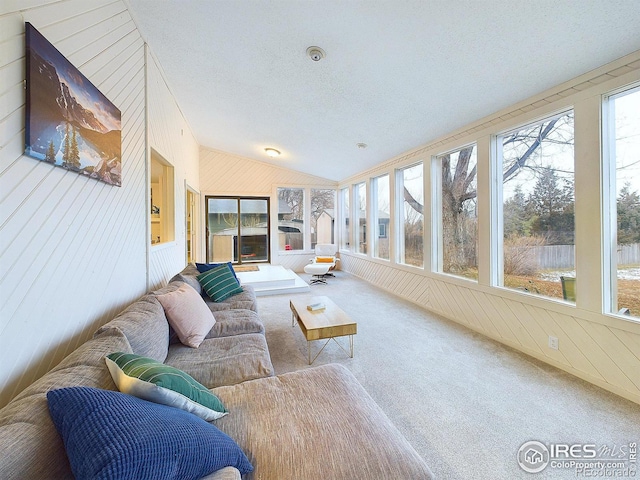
188,314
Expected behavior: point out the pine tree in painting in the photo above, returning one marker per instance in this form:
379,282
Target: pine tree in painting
74,154
65,149
50,156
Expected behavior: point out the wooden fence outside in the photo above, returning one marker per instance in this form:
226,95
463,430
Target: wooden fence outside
563,256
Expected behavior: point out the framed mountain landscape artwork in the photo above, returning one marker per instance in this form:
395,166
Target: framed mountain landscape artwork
69,123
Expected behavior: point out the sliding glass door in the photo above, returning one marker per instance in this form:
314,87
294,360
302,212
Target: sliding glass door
237,229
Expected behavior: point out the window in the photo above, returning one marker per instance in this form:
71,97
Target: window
237,229
458,232
538,208
345,238
360,196
322,216
624,200
381,215
291,218
410,193
162,200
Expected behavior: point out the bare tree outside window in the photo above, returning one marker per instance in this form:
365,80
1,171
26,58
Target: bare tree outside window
538,208
291,218
411,218
525,152
459,213
322,216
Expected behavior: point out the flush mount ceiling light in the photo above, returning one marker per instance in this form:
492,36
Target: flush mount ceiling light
316,53
272,152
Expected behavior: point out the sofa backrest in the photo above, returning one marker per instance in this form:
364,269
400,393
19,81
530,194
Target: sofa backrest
145,326
31,445
189,275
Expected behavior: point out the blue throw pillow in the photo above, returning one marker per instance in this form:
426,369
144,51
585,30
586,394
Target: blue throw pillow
205,267
111,435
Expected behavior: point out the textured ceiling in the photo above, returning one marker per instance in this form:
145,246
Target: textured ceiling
397,73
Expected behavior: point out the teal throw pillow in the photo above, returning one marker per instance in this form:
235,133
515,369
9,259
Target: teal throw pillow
219,283
156,382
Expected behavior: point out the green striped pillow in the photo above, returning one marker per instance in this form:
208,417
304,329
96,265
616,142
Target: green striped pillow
219,283
156,382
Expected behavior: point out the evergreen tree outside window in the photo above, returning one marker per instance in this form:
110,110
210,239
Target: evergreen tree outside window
538,245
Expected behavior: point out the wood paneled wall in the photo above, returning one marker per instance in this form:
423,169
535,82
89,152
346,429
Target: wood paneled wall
75,251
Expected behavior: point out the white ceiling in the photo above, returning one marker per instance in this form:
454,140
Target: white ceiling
397,73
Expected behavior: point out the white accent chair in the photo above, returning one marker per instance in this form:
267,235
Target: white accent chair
326,255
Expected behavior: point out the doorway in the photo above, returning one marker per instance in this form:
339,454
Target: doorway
237,229
191,227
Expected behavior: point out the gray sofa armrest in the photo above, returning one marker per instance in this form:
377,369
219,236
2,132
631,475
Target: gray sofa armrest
227,473
320,424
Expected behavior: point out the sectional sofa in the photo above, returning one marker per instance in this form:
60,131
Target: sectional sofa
318,423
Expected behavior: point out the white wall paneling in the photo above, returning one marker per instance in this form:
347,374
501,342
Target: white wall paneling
171,137
72,249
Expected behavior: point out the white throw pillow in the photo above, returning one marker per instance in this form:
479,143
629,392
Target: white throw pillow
188,314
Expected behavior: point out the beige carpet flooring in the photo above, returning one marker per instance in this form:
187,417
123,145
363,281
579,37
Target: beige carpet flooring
465,402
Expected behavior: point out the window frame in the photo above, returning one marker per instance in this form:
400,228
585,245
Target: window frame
166,190
437,204
609,201
399,220
497,183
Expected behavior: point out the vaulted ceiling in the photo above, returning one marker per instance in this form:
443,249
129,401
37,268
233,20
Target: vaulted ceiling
397,73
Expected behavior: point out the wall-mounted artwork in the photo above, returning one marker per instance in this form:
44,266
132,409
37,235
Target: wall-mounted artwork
69,123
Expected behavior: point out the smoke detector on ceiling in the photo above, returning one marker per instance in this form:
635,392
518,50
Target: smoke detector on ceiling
316,53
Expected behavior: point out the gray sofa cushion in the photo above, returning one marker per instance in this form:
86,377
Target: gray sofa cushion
145,325
245,300
316,424
225,360
31,446
235,322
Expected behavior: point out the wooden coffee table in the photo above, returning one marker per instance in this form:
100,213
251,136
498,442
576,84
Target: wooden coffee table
328,323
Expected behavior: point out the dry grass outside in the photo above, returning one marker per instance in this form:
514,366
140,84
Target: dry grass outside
628,290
